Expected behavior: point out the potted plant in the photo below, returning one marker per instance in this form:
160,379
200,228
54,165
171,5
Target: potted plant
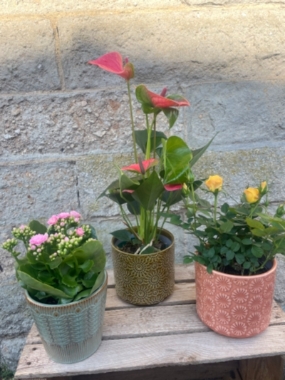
143,252
235,259
62,270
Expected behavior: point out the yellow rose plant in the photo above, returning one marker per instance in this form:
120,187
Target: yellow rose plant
241,239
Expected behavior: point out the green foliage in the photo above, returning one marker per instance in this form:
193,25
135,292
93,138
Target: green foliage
155,138
240,239
177,158
62,263
5,372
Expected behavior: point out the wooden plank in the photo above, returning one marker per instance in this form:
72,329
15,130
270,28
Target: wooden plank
183,273
268,368
184,293
153,321
159,351
183,372
147,321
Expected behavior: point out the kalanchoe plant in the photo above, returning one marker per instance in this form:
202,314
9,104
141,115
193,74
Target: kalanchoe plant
63,262
151,184
241,239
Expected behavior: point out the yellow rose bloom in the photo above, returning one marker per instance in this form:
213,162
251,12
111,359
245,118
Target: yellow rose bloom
263,185
252,194
214,182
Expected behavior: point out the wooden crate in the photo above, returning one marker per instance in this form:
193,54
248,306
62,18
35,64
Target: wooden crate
166,341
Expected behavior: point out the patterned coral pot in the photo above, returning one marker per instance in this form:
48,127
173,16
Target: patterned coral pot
72,332
144,279
235,306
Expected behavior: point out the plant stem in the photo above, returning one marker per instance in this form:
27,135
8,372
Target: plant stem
132,122
126,219
215,207
154,137
149,129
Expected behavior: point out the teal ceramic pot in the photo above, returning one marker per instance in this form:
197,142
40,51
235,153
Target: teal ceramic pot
144,279
73,332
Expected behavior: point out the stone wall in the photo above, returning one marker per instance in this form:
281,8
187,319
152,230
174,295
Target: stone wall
64,123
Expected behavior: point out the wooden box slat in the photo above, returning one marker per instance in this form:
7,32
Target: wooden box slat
184,293
159,351
153,321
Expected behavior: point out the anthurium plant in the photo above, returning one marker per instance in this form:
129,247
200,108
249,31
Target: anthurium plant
241,239
147,187
63,262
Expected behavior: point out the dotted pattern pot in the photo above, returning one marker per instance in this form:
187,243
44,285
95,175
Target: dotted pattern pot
144,279
73,332
235,306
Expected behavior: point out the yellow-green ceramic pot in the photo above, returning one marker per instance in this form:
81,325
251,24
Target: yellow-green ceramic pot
144,279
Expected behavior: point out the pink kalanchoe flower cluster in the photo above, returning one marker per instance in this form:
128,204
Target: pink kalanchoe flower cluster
52,220
64,215
75,214
38,239
79,231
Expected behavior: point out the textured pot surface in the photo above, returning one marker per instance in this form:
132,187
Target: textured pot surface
235,306
73,332
144,279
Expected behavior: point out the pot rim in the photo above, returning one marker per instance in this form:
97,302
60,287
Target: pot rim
246,278
46,305
170,235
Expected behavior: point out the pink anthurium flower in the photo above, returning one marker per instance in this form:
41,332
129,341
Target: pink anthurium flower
160,101
141,167
173,187
113,62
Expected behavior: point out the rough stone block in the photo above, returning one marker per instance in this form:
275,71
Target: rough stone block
244,114
239,168
245,168
36,191
96,122
7,270
10,350
27,61
95,174
40,7
15,318
182,46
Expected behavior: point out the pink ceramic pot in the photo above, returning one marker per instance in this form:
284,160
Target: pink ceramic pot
235,306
